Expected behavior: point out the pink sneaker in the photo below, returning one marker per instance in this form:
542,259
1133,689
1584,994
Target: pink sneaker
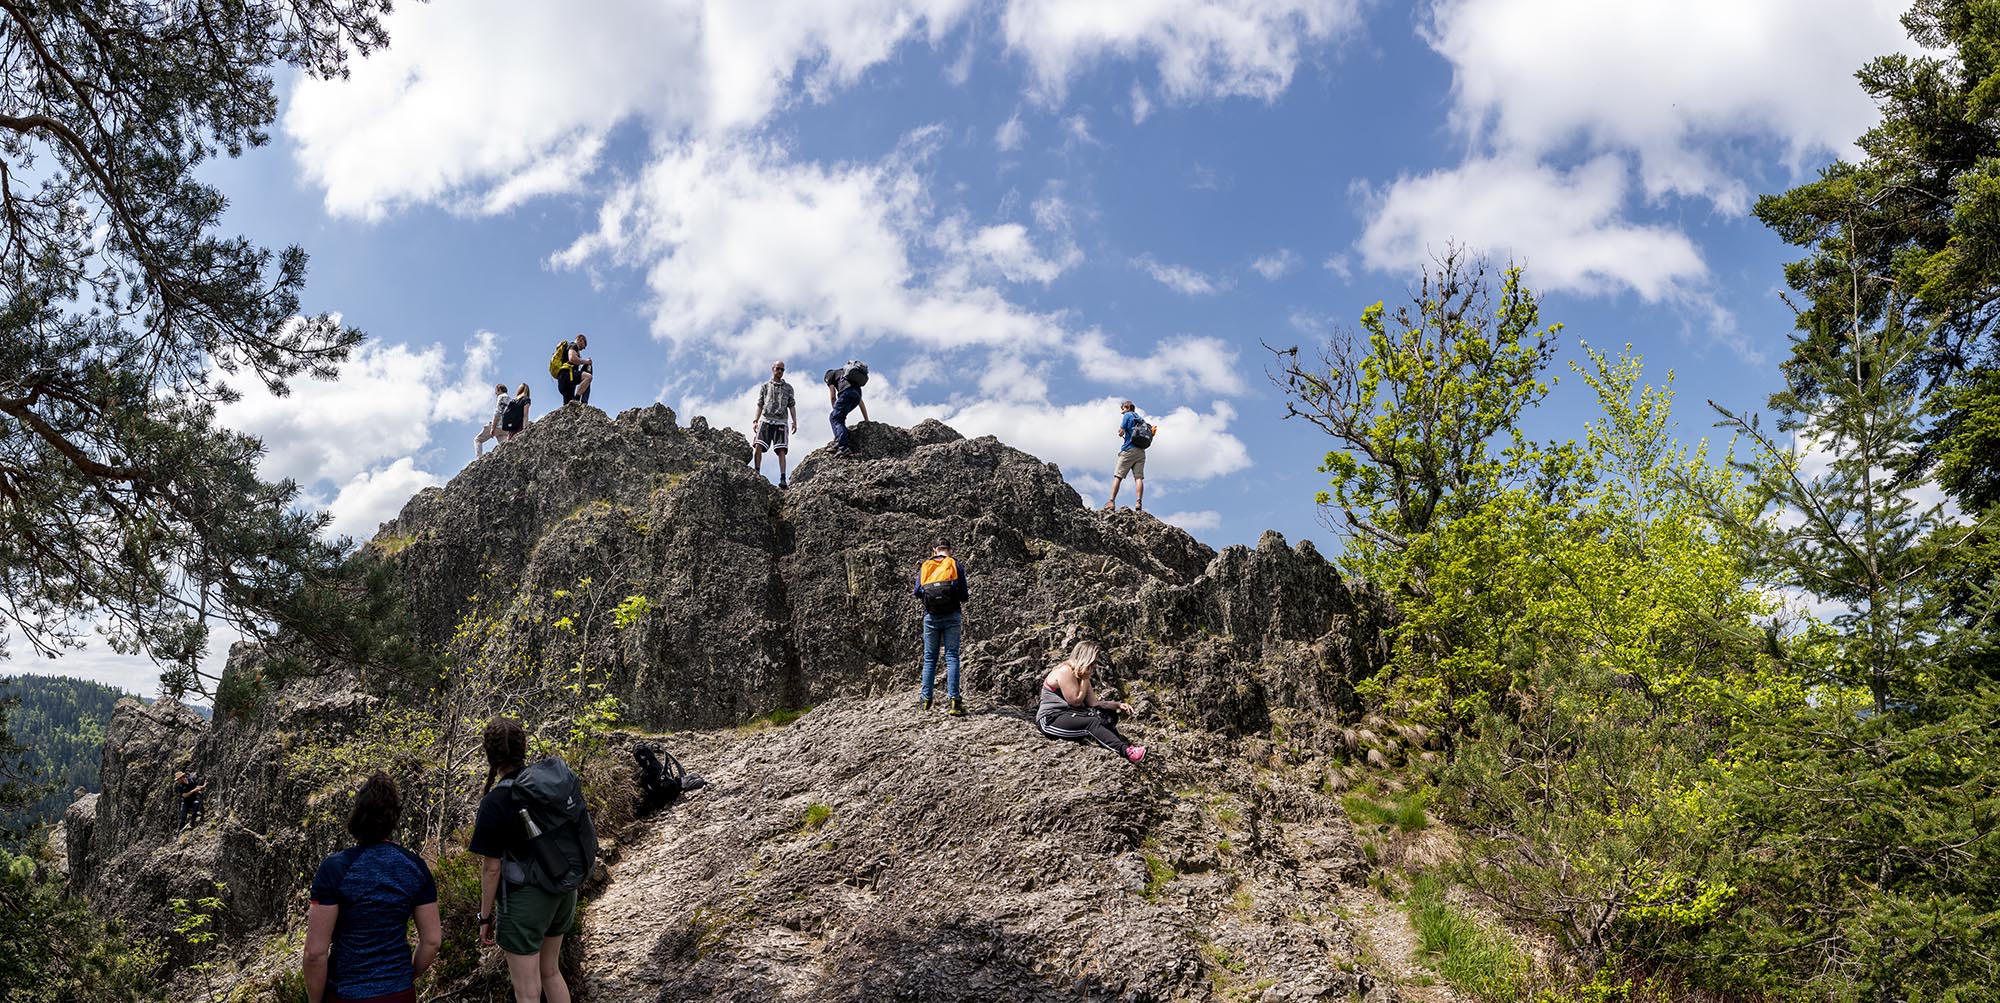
1135,752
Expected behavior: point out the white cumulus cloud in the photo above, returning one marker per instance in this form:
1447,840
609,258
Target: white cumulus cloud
1276,265
1200,48
374,497
1566,227
1667,81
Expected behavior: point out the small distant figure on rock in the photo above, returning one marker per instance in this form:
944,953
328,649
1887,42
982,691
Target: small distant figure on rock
363,898
1135,435
774,401
942,588
514,417
192,791
1070,710
540,847
843,391
492,429
571,370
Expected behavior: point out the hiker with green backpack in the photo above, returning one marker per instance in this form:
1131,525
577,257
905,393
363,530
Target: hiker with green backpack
1135,435
540,847
571,370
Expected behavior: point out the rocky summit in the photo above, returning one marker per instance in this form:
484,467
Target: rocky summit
863,850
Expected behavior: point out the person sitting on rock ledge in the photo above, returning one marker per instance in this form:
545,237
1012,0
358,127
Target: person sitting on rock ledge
941,586
571,370
363,898
190,790
492,429
1070,710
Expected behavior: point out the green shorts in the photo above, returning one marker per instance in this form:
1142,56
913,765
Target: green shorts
529,915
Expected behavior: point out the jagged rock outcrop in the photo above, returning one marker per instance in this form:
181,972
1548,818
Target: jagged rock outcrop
764,599
734,599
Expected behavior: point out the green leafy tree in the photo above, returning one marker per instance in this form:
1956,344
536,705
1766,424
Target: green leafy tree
58,948
121,501
1423,408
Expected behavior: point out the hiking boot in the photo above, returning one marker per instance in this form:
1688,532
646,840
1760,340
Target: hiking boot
782,484
1135,752
926,704
957,708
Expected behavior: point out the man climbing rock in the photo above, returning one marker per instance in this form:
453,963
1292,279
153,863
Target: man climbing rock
774,401
189,790
572,370
843,391
941,586
1134,434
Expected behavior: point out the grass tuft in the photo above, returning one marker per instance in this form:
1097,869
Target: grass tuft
1473,957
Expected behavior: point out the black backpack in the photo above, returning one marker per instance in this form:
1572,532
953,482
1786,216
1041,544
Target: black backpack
561,841
511,421
662,778
855,372
1142,434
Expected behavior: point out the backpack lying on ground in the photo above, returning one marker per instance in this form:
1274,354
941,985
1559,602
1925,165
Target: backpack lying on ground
662,778
562,842
1142,434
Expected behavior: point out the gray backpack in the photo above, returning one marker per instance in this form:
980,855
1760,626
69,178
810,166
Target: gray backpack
561,841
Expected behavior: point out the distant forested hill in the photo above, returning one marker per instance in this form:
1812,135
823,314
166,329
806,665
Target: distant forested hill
60,721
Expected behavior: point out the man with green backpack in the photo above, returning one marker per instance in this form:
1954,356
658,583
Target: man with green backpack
571,369
540,847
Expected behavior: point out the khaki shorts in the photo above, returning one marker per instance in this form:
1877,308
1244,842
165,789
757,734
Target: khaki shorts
529,914
1131,461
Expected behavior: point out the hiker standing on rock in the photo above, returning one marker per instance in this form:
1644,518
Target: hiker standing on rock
540,847
843,391
571,370
492,429
1070,709
774,401
941,586
514,416
363,898
1135,434
190,791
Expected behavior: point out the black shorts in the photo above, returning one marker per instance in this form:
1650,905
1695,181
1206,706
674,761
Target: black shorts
774,436
565,385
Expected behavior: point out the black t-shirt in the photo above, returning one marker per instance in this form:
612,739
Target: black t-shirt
496,830
188,789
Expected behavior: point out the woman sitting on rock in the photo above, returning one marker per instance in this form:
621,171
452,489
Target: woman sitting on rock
363,898
1070,710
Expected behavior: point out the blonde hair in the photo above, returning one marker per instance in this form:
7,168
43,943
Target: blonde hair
1082,660
524,389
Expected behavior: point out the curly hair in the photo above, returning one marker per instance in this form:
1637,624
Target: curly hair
506,745
378,806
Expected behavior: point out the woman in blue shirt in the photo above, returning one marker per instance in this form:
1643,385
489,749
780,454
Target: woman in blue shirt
357,931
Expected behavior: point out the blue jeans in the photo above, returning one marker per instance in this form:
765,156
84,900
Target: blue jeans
942,631
848,400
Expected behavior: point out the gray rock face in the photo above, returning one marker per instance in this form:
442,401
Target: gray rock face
973,860
866,852
763,599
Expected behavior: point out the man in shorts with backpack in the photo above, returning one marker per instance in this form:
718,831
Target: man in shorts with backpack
1135,435
774,401
571,370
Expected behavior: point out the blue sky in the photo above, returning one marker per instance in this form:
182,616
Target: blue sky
1021,211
